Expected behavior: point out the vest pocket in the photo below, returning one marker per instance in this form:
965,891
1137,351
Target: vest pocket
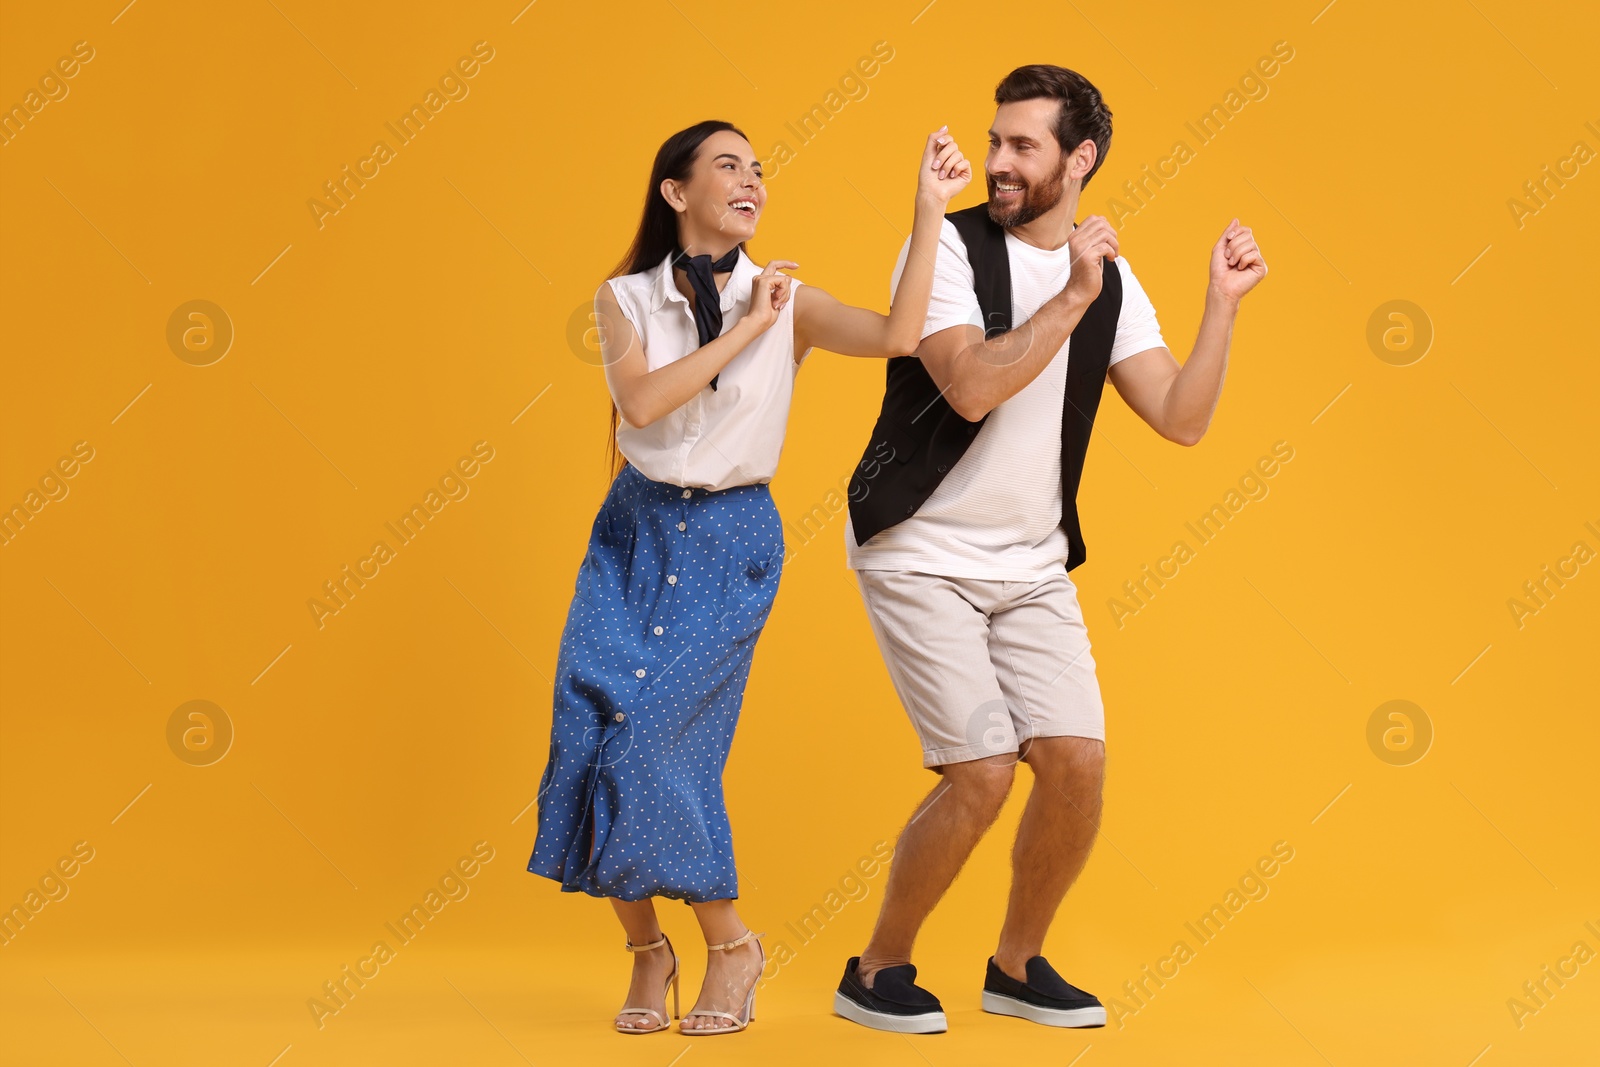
900,444
889,444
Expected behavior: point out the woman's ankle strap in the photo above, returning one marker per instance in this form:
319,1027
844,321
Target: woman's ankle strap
657,943
736,942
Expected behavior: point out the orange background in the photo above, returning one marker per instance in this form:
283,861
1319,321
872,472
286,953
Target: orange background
435,310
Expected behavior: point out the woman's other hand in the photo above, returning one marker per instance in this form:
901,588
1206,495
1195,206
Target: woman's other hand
769,292
945,171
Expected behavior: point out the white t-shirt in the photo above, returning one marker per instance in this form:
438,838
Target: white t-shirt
997,513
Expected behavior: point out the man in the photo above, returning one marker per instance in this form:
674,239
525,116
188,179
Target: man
963,526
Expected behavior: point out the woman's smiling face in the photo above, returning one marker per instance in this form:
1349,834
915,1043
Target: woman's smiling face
722,200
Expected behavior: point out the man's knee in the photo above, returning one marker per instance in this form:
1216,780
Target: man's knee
984,783
1076,765
1079,755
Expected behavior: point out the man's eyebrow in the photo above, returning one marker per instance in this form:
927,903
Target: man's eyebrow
1014,137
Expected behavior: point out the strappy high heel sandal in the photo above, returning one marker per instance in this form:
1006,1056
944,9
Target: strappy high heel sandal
746,1017
662,1023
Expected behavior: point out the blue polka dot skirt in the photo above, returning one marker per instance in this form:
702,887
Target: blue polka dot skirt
675,589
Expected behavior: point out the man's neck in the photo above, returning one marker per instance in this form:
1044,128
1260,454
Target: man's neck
1050,230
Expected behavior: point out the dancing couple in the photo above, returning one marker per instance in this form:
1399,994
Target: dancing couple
962,527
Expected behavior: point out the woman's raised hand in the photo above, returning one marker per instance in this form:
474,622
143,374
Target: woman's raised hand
945,171
769,291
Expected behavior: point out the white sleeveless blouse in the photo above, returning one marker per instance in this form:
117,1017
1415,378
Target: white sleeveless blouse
722,437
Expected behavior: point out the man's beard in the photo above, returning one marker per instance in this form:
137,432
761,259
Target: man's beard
1036,200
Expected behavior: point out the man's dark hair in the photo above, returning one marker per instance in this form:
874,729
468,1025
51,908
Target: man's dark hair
1083,115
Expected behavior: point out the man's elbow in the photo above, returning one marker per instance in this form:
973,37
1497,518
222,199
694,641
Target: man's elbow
971,408
1188,436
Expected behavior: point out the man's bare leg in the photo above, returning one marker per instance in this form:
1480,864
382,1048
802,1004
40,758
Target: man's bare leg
932,848
1057,831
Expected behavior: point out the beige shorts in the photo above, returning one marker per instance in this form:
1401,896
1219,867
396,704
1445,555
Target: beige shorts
983,665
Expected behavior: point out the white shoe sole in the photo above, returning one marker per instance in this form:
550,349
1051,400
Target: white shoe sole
1000,1004
932,1022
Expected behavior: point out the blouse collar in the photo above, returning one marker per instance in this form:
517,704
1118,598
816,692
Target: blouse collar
737,288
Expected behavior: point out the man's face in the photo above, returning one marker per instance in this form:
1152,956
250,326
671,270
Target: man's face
1025,169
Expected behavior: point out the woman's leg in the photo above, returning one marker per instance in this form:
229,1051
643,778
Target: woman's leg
729,974
650,969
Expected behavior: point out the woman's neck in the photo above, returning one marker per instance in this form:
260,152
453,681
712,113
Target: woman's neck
680,277
716,249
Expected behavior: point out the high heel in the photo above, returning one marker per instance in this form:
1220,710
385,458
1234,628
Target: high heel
744,1018
662,1023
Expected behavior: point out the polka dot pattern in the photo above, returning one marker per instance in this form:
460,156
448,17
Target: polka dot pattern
669,602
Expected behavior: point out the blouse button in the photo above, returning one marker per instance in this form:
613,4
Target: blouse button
688,493
683,526
672,579
639,673
659,631
619,716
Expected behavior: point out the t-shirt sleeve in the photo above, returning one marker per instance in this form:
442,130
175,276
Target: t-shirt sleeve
1137,329
953,301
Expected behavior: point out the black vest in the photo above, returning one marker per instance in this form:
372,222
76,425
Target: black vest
919,436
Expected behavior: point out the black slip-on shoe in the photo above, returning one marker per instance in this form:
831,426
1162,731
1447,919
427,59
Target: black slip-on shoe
894,1003
1045,997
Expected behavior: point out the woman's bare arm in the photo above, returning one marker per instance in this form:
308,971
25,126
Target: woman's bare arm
826,322
643,395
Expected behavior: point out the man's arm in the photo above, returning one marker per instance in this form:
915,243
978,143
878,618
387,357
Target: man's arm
975,375
1178,402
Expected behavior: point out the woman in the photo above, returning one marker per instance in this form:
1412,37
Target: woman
700,348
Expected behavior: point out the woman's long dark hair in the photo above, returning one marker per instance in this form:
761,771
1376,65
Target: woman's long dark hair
658,227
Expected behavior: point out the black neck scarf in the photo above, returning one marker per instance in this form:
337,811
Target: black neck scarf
707,301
